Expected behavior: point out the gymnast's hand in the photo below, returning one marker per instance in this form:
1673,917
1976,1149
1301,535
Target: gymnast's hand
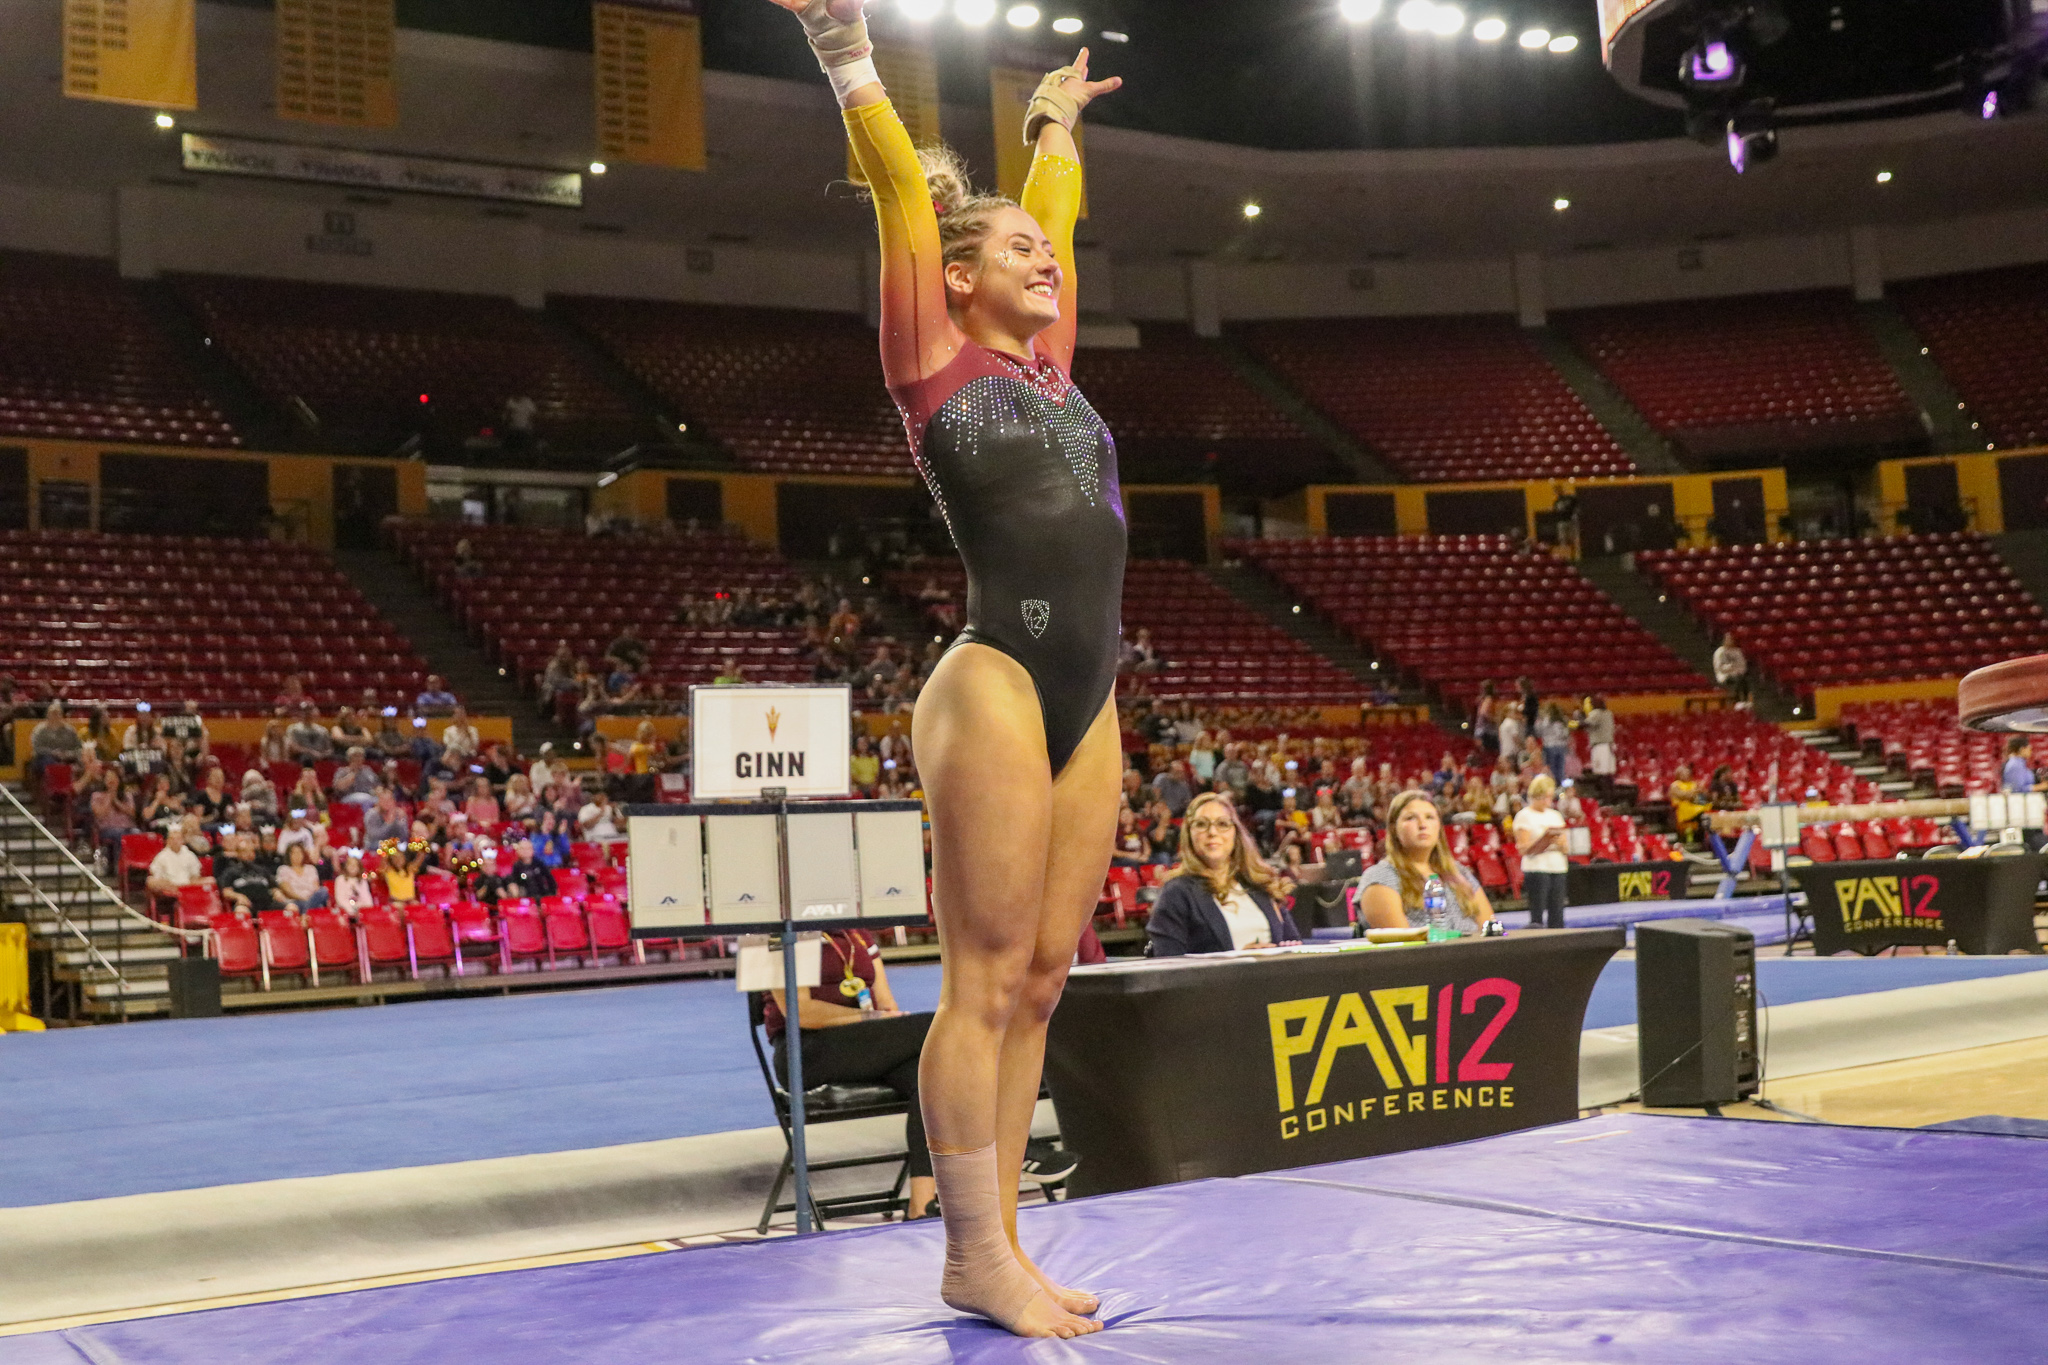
1075,84
845,11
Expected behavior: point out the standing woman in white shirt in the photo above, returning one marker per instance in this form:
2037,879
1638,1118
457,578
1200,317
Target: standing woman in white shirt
1223,895
1540,836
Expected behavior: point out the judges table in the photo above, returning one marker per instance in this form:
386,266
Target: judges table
1985,904
1231,1063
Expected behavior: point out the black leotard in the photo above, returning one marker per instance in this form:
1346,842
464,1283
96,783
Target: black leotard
1024,471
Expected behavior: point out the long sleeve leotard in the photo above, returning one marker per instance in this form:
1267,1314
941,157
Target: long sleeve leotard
1022,468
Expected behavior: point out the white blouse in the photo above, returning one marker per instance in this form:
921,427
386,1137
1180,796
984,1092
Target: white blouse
1247,922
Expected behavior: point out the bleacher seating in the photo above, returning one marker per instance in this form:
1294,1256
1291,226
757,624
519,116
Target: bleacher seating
1923,739
1761,370
1761,758
541,586
1443,399
1846,611
1217,650
81,360
362,359
790,392
120,619
1180,412
1457,610
1980,329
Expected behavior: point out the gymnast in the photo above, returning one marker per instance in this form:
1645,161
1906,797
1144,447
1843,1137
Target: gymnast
1016,732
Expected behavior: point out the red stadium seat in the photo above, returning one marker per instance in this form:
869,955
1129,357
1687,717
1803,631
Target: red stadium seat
567,934
334,944
432,943
236,946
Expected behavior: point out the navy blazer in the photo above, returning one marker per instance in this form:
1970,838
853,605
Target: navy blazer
1186,919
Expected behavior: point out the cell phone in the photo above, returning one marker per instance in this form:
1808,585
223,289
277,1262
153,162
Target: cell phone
390,710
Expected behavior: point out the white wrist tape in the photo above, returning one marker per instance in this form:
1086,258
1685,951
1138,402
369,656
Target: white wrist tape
851,76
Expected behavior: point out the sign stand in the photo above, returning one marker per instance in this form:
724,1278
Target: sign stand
1777,829
707,870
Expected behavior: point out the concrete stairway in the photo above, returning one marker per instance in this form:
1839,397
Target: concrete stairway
1942,411
1365,464
255,418
1669,622
1645,445
2026,553
447,647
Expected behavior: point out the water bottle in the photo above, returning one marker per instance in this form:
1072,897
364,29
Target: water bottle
866,999
1436,909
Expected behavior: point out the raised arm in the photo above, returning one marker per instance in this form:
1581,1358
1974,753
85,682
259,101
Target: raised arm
1052,192
918,337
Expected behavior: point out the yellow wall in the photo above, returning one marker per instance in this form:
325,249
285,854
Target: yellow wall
1829,701
1692,498
298,483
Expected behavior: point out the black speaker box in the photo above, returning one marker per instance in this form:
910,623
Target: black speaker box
1695,1012
195,988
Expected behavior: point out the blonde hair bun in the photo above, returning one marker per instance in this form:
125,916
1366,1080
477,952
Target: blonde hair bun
965,214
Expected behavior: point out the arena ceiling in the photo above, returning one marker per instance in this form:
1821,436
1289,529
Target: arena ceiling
777,156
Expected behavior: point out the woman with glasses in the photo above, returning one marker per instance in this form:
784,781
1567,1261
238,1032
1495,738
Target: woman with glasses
1223,895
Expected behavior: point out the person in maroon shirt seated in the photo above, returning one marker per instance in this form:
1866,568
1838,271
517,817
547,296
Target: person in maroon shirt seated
844,1042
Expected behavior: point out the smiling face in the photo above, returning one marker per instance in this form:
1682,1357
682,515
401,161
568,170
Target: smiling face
1212,833
1014,282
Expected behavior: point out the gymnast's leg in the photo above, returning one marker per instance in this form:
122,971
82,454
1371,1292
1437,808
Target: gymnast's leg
980,745
1084,806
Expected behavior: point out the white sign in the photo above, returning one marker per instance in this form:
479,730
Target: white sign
378,171
760,965
824,882
744,740
667,882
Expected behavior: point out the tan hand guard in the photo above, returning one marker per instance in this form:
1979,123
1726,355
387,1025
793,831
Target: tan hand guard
836,43
1051,103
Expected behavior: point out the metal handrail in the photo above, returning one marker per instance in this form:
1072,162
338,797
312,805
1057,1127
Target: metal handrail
120,901
65,920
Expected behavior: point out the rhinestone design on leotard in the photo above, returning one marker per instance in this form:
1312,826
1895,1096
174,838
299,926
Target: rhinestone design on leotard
1062,417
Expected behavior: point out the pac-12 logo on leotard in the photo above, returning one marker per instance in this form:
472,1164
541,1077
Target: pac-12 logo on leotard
1037,615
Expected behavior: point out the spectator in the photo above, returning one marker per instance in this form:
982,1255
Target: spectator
386,820
1162,832
732,674
1532,760
391,739
187,726
1174,788
246,885
352,893
1555,735
271,746
544,771
1686,805
110,807
1223,895
298,881
466,562
519,798
54,741
1324,815
298,832
1539,831
163,808
1139,655
1355,796
1233,771
435,696
100,735
177,766
1722,791
1263,802
306,794
629,649
1731,671
349,732
174,865
597,819
527,876
1486,716
1510,734
1390,892
402,864
1203,757
212,800
196,834
557,678
482,807
1599,727
354,781
551,842
1131,847
2018,773
865,765
460,742
307,741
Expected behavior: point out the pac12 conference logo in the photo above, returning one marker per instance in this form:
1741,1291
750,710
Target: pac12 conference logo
1874,903
1429,1051
1649,884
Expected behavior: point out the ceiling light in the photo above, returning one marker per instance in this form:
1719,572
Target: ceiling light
166,121
1563,43
974,13
1414,15
1252,209
1447,20
1110,35
1067,25
1560,203
1358,11
1023,16
1490,30
598,168
921,9
1533,38
1884,177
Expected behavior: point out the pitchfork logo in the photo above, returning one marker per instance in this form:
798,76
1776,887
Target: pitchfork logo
1037,615
774,719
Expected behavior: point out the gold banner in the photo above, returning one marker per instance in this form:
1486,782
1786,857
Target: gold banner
650,83
132,52
334,62
910,74
1010,91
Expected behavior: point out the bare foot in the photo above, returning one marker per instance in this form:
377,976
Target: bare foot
1073,1300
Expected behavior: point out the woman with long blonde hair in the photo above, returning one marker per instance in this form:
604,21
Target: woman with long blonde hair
1223,895
1390,892
1016,728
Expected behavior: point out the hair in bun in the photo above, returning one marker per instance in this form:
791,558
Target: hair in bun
965,216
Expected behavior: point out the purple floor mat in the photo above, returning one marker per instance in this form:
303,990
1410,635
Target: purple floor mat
1281,1270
